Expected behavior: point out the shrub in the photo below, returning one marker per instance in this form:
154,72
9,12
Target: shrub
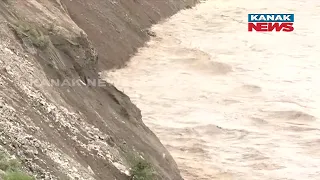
141,169
12,169
32,33
9,165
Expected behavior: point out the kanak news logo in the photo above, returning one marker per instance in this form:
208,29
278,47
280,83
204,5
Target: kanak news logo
270,22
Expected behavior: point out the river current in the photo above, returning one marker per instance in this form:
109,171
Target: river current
228,103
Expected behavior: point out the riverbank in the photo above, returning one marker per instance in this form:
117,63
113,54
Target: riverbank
118,28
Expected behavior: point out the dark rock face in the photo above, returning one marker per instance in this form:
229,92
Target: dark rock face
75,132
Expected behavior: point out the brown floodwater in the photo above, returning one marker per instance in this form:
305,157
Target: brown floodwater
227,103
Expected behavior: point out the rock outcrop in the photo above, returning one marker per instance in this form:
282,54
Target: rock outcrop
75,131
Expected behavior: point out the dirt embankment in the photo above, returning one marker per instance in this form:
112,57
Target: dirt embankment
75,132
118,27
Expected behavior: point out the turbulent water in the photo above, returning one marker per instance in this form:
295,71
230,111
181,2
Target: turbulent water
232,104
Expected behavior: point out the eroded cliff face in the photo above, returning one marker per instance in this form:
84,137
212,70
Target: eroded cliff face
118,27
75,132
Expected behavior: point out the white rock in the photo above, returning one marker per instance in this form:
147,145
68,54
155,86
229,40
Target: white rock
121,168
8,50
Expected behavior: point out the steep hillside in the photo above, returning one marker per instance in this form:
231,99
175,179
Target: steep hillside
75,131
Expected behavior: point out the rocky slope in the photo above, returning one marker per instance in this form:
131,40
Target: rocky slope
79,131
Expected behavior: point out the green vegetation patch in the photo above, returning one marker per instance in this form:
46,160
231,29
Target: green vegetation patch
141,169
12,169
32,33
15,175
